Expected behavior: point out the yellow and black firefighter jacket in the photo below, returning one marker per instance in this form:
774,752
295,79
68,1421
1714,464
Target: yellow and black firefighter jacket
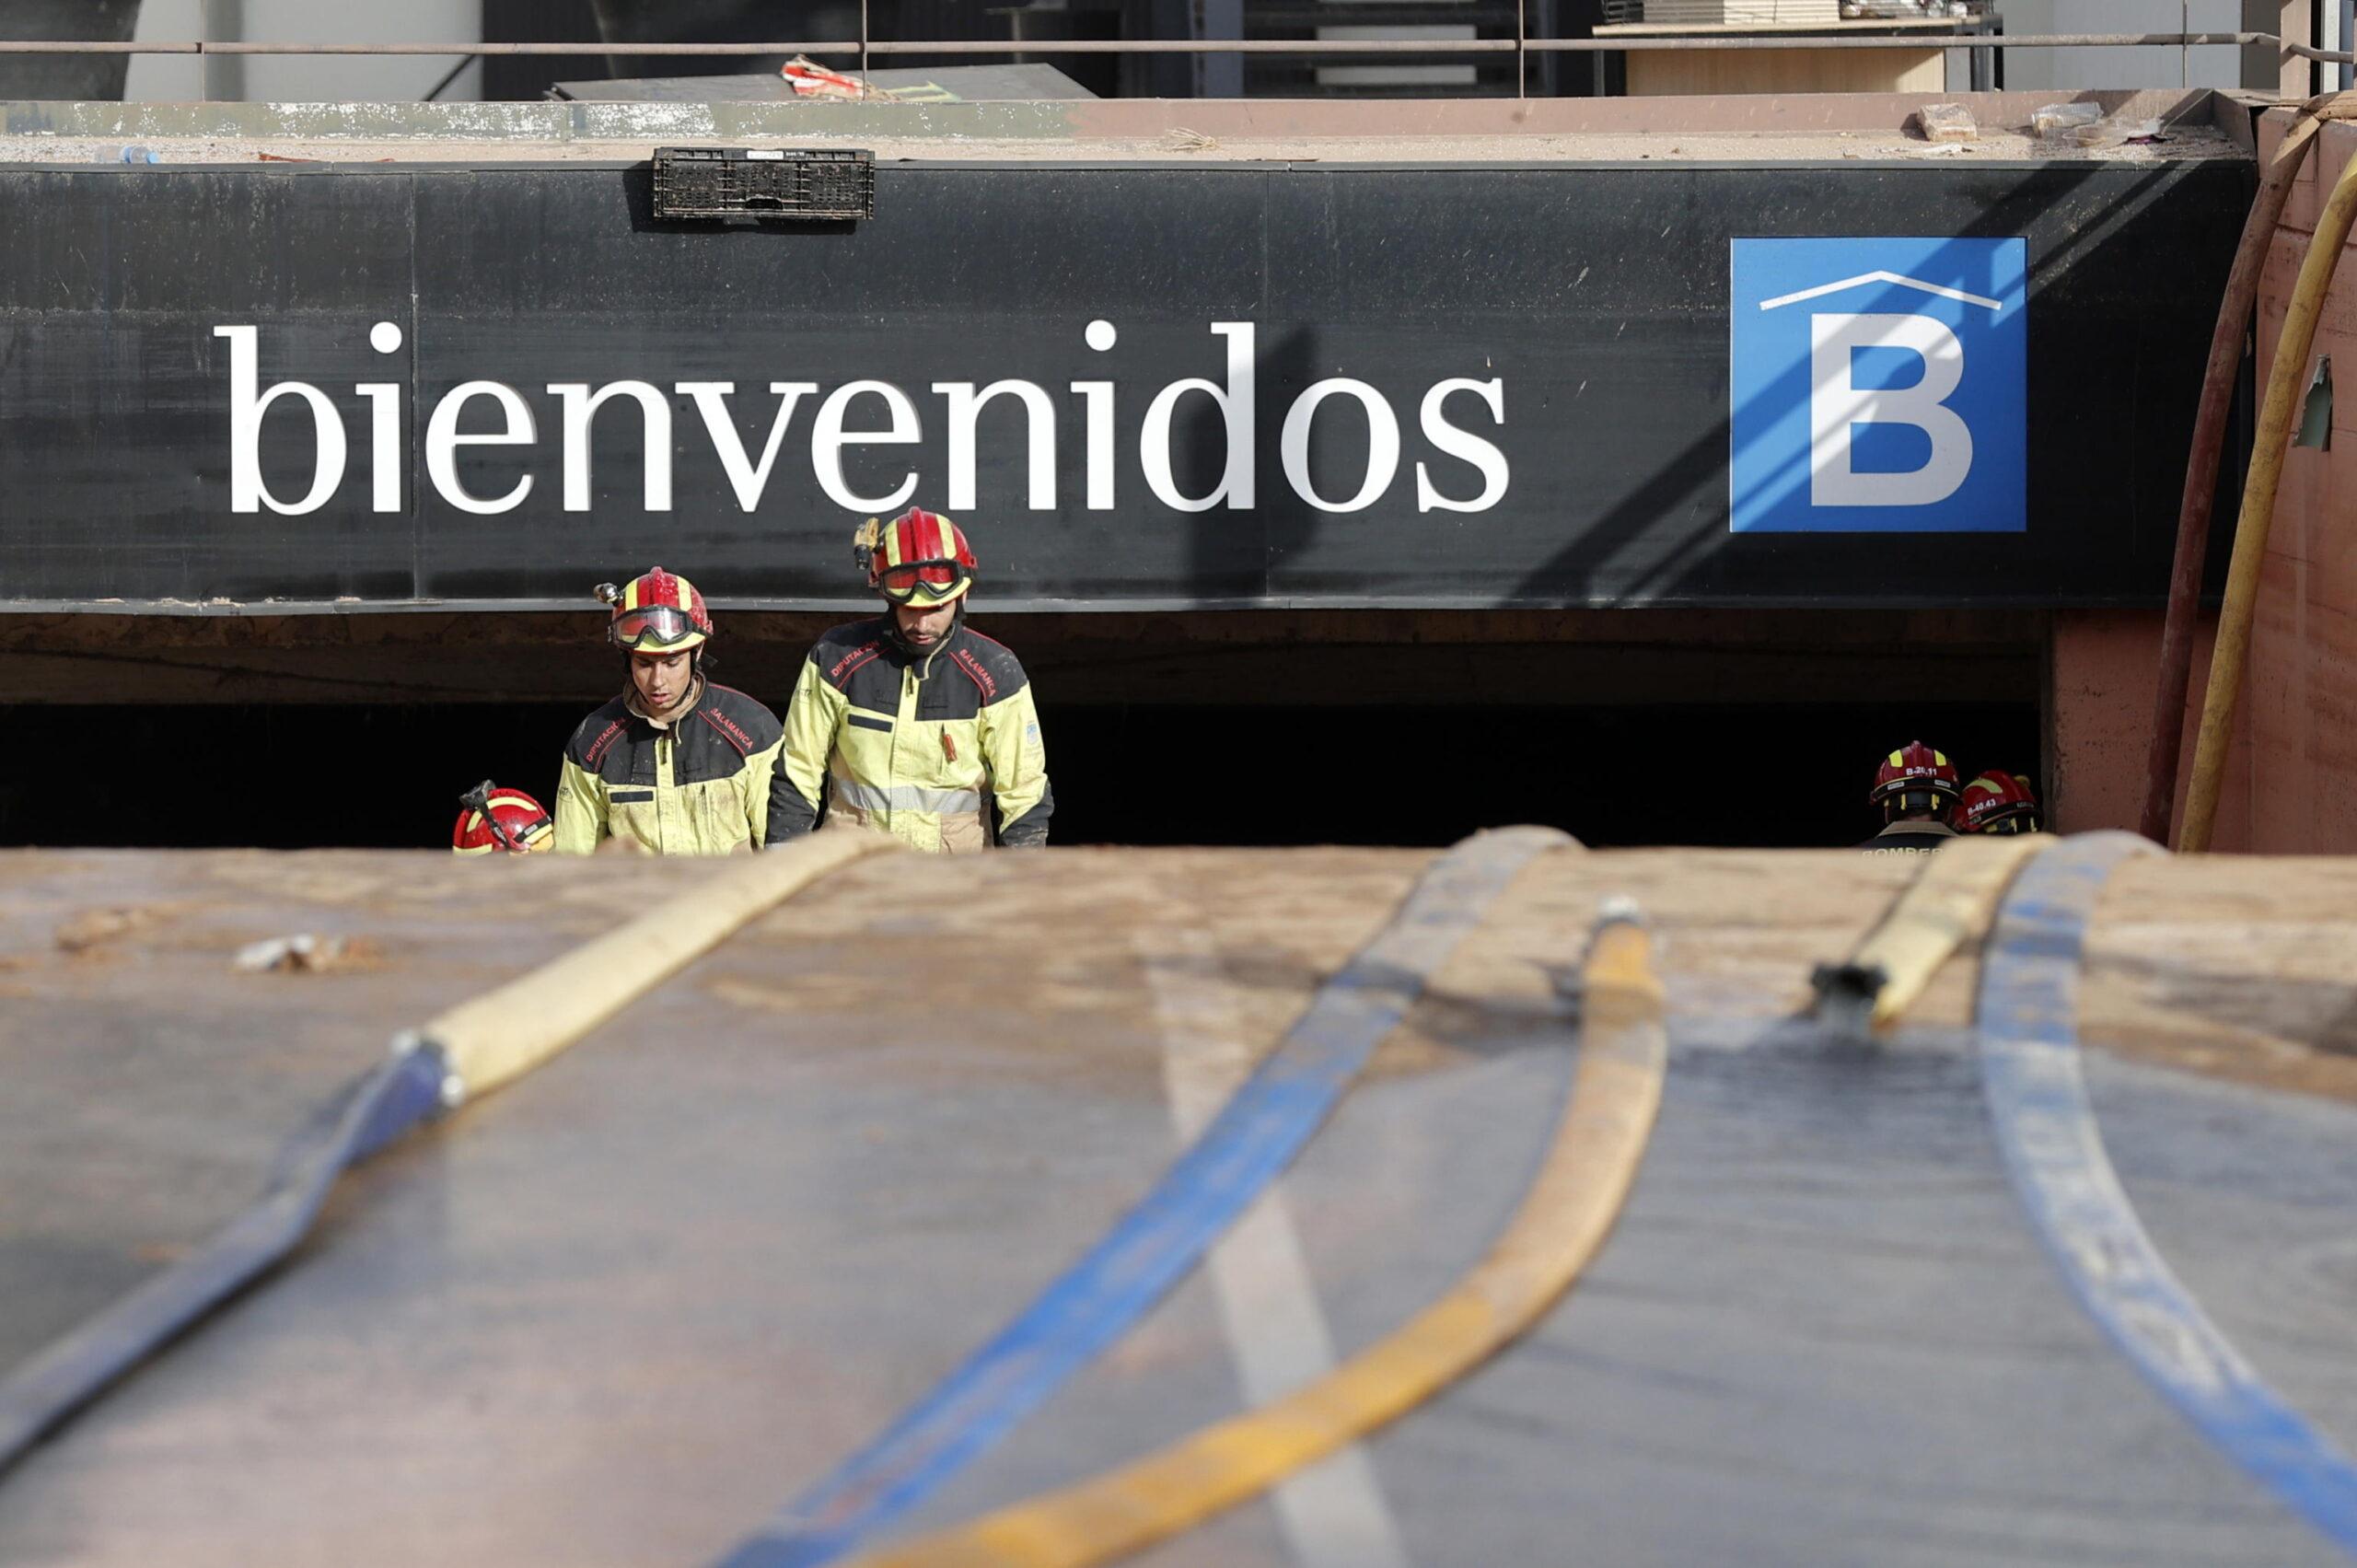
696,784
928,747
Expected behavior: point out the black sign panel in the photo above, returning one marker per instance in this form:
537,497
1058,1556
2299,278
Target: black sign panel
1139,386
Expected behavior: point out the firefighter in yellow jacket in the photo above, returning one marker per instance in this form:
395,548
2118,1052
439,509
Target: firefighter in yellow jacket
914,722
676,764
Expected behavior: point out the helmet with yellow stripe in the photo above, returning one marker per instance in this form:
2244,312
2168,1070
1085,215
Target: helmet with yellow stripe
660,612
919,558
491,818
1916,778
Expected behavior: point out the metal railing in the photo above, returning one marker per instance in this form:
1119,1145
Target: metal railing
1194,46
1520,47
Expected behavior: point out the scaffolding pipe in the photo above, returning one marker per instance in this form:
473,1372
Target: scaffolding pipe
1204,46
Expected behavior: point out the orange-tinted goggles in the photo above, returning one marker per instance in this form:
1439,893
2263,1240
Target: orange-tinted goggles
900,583
661,625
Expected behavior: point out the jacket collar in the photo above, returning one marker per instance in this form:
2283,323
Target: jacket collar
630,701
1933,830
890,627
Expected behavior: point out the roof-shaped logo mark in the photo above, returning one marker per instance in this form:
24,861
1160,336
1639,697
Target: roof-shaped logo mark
1879,277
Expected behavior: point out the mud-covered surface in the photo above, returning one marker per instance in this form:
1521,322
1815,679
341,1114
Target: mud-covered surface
2000,143
2183,124
617,1312
2237,966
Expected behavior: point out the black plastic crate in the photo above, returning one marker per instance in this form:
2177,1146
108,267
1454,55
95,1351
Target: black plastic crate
764,182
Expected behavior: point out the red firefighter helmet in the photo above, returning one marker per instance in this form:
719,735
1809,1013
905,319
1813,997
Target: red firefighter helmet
1997,802
1915,770
658,613
920,558
491,818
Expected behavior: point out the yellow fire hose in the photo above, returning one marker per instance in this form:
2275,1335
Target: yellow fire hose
1951,901
503,1034
2231,653
1562,1224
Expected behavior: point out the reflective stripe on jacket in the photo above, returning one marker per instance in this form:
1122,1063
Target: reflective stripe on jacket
1909,838
925,748
699,784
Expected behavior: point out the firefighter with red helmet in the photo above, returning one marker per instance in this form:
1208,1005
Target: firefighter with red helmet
492,819
1998,802
913,722
1915,786
676,764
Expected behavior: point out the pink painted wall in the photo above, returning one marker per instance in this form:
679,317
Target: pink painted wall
2101,669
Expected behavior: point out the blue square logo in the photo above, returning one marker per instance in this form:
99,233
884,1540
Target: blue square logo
1879,385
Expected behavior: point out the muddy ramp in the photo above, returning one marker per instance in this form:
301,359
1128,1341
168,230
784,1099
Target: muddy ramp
618,1312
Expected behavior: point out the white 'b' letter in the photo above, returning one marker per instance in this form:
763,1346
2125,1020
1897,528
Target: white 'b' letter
248,403
1835,404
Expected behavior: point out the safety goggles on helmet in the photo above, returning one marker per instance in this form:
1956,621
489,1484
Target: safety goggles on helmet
934,581
656,626
920,557
654,611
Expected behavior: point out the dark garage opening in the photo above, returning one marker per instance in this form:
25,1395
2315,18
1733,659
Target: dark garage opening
292,777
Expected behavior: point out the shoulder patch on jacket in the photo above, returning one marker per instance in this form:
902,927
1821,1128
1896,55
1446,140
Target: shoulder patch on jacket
991,665
844,649
748,726
730,731
596,735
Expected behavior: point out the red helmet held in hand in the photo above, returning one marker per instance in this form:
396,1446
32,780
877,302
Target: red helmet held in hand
1998,802
1915,778
491,818
660,612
